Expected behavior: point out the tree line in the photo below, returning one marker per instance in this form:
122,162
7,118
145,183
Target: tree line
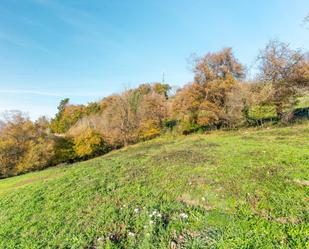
219,96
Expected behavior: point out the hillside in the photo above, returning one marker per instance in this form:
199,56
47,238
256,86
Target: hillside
240,189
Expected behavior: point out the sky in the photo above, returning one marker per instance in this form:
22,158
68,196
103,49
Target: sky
88,49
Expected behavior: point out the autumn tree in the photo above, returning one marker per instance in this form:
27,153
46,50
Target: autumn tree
24,145
17,131
204,102
127,117
286,71
159,88
221,65
187,101
89,143
122,118
153,110
162,89
69,114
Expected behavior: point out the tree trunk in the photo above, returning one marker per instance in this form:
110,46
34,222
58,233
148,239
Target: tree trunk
279,111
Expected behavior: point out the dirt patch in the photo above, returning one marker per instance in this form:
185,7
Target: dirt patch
264,173
201,143
211,145
302,182
185,157
137,155
188,200
150,145
282,220
281,138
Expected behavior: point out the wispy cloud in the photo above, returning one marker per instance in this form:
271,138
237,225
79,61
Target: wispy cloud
31,92
51,93
88,28
20,42
72,16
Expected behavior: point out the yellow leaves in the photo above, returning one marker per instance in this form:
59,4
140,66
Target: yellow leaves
149,129
24,146
87,143
208,114
220,65
38,156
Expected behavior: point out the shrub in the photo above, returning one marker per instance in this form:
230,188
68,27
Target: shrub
64,150
89,143
259,112
149,129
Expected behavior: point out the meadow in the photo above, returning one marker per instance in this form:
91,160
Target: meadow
223,189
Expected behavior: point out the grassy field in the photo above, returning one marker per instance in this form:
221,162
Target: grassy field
240,189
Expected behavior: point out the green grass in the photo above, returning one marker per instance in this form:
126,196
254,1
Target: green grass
240,189
303,102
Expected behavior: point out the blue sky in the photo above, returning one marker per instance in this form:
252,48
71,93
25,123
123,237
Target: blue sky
87,49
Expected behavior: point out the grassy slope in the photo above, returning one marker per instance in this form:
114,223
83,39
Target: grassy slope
226,189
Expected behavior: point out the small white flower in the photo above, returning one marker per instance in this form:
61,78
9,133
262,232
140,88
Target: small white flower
131,234
100,239
159,215
183,215
136,210
151,222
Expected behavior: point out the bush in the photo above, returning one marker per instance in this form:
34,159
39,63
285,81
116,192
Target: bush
149,129
185,127
261,112
64,150
89,144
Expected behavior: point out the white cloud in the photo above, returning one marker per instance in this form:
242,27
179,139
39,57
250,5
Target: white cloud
52,94
20,42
